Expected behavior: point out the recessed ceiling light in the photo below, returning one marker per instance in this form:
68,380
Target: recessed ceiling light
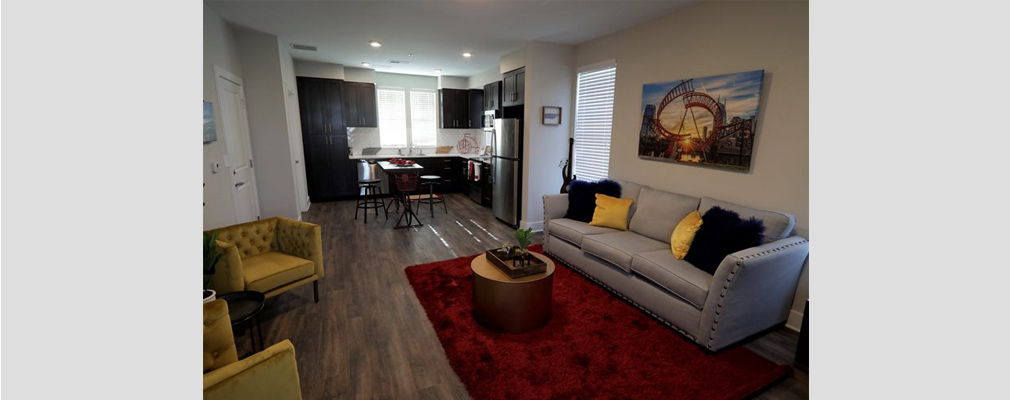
438,71
411,55
366,64
375,43
467,54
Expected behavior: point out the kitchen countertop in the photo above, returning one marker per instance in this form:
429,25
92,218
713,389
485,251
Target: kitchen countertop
388,156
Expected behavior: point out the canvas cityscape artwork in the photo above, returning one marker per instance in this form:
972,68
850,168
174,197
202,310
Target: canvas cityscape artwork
706,121
209,129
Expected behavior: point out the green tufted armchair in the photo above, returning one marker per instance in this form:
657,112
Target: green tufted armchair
271,374
270,256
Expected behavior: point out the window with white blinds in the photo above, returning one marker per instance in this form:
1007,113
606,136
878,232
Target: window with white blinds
392,118
594,114
422,118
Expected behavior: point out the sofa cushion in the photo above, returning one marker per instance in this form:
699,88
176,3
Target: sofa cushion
659,212
721,234
618,248
573,231
267,271
611,212
582,197
675,276
778,225
630,190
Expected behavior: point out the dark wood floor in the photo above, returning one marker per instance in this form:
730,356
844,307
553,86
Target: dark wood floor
369,338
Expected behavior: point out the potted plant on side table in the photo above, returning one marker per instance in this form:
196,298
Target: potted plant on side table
524,237
210,258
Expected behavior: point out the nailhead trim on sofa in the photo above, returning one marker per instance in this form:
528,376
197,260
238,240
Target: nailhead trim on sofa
622,296
729,282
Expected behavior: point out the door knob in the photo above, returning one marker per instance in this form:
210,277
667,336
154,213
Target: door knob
239,184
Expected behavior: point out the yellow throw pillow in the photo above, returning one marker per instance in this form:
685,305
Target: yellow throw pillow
683,234
611,212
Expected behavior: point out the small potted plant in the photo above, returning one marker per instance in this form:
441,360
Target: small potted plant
210,258
524,237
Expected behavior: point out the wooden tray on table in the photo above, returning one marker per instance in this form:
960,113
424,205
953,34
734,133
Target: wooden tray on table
512,267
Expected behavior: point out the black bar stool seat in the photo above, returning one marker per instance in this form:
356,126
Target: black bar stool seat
431,198
369,198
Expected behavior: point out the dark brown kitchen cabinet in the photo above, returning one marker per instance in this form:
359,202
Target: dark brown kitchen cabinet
359,105
514,88
475,108
455,108
492,96
329,170
331,173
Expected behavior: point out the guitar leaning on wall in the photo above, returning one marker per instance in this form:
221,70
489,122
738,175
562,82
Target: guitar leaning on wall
566,168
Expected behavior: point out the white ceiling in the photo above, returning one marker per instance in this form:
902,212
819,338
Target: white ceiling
436,32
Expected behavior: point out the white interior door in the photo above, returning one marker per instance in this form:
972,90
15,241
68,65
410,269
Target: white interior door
235,124
295,142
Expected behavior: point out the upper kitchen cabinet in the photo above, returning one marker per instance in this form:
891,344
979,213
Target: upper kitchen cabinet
475,108
455,108
359,105
321,110
492,96
514,87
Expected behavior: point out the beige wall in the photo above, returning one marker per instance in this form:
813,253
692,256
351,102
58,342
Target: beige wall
714,38
265,98
221,49
484,77
315,69
548,82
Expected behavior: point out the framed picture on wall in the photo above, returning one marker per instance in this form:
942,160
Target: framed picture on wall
552,115
209,130
709,121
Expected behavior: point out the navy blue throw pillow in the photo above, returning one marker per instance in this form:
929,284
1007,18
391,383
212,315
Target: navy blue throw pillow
722,233
582,197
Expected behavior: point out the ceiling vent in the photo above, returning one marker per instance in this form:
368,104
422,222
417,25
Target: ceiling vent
303,47
398,62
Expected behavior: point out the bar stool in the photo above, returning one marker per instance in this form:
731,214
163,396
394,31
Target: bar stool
369,198
430,181
406,185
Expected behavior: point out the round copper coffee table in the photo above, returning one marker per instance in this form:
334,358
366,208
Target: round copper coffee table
511,305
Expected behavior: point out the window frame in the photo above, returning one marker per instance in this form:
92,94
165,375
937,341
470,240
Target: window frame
579,147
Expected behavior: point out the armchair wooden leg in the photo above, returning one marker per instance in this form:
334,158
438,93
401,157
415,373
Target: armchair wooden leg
315,290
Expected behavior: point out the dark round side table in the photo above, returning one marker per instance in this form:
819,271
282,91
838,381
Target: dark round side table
243,309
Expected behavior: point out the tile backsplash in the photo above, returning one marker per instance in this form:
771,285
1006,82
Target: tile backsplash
360,138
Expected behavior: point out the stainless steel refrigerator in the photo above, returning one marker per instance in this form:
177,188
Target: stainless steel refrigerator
506,169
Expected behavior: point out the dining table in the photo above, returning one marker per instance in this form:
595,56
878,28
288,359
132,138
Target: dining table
407,218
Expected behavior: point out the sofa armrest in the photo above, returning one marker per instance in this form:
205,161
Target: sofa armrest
752,290
269,374
301,239
555,206
228,272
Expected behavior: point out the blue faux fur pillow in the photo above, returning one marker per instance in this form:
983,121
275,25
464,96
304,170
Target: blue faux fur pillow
722,233
582,197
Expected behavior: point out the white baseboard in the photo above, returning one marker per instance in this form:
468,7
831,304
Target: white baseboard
795,320
538,226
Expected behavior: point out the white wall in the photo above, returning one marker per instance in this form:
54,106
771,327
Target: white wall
219,48
513,60
737,36
315,69
294,123
549,80
268,123
453,82
484,77
359,75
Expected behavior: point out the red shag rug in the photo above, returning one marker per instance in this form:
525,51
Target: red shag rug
595,346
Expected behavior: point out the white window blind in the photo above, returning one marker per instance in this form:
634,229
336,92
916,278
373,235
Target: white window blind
422,118
392,118
594,114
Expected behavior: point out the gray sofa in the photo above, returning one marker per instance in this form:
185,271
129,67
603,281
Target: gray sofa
752,289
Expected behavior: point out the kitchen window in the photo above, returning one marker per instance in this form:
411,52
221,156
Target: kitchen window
594,114
423,118
399,124
392,118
